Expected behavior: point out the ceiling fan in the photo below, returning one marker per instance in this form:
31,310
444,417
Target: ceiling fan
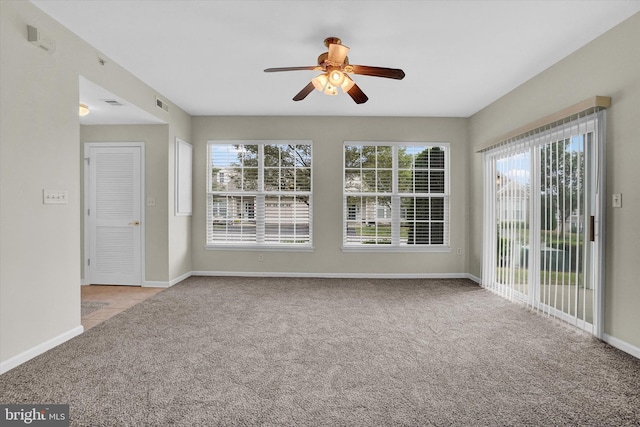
335,67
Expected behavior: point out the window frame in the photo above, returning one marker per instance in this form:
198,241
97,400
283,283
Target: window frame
396,210
260,206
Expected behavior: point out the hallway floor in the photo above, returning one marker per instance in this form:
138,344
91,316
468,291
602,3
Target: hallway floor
105,301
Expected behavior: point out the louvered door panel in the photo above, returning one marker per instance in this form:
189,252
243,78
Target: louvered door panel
114,186
114,251
115,215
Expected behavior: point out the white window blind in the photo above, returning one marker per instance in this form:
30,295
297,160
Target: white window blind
259,194
396,196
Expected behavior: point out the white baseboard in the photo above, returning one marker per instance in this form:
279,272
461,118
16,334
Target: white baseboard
476,279
621,345
155,284
158,284
39,349
336,275
163,284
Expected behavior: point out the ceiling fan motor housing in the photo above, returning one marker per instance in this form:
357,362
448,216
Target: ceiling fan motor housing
324,57
332,40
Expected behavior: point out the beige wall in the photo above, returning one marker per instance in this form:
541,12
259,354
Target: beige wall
179,232
40,149
327,135
608,66
39,269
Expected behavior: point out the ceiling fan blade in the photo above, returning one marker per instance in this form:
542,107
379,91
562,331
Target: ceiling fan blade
273,70
357,94
337,53
365,70
304,92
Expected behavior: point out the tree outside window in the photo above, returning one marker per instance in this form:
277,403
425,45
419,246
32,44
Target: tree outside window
400,192
266,189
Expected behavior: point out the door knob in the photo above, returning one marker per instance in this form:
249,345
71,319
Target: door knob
135,223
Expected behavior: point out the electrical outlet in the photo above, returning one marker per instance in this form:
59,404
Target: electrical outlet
617,200
151,201
260,258
459,251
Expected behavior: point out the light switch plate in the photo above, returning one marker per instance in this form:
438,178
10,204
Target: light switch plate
616,201
55,197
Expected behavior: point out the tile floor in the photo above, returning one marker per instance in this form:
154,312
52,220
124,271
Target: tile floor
118,299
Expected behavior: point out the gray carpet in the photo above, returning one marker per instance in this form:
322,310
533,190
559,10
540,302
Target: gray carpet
329,352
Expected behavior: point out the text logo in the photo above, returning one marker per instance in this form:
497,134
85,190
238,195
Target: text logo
34,415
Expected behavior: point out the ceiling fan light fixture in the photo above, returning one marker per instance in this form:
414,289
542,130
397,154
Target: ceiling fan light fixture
83,110
322,84
319,82
336,77
330,90
347,84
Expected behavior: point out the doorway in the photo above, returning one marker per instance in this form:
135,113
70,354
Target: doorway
114,213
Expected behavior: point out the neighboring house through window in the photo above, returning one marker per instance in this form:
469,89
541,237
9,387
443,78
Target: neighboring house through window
396,196
259,194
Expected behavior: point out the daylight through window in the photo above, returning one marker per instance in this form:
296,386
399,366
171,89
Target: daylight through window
396,195
259,193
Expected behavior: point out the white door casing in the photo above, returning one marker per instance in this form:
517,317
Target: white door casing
114,213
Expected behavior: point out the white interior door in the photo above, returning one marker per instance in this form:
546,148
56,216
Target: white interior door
114,228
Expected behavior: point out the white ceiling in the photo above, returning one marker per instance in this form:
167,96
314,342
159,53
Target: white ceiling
208,57
107,108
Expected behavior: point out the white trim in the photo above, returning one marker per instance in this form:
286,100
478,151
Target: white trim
256,247
476,279
39,349
366,275
398,248
185,276
622,345
156,284
183,184
601,215
159,284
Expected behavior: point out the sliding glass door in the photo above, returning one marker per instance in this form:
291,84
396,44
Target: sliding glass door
543,197
565,286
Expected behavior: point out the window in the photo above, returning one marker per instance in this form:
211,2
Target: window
396,196
259,194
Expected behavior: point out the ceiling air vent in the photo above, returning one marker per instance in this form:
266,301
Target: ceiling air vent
161,104
112,102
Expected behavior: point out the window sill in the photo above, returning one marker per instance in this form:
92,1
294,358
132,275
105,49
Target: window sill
389,248
259,248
